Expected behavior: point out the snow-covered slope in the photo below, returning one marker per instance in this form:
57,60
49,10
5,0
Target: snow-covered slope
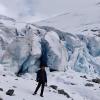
73,16
77,86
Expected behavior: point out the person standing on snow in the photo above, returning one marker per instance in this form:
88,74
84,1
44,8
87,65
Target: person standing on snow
41,74
41,79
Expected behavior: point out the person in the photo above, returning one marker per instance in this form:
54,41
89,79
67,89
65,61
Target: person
41,79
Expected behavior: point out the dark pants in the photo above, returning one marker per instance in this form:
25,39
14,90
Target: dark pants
42,84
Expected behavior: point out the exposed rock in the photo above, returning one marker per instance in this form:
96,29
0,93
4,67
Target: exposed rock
49,90
1,89
72,83
16,79
4,75
89,80
95,30
53,86
14,86
1,98
97,80
63,93
84,76
89,84
10,92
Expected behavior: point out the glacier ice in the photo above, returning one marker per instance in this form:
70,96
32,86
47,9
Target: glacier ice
57,54
22,45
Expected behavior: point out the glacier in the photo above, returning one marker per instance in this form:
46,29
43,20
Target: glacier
22,45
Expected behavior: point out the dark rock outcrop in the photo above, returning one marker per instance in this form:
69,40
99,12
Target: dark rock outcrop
54,87
97,80
10,92
89,84
63,93
1,89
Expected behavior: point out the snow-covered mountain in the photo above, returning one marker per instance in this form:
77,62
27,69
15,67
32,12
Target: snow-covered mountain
70,42
73,16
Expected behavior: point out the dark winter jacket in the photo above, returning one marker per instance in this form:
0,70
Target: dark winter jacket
41,76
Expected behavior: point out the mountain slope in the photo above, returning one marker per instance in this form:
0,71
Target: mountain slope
76,17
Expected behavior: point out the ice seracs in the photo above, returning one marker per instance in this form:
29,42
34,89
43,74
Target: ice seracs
22,45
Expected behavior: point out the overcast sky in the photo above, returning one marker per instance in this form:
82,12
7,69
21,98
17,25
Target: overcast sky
39,8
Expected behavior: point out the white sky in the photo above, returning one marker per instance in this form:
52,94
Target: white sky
40,8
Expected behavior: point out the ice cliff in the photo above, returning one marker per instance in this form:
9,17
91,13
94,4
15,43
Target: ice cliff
22,45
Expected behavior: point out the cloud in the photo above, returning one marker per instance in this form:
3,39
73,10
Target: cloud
18,8
2,9
40,8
